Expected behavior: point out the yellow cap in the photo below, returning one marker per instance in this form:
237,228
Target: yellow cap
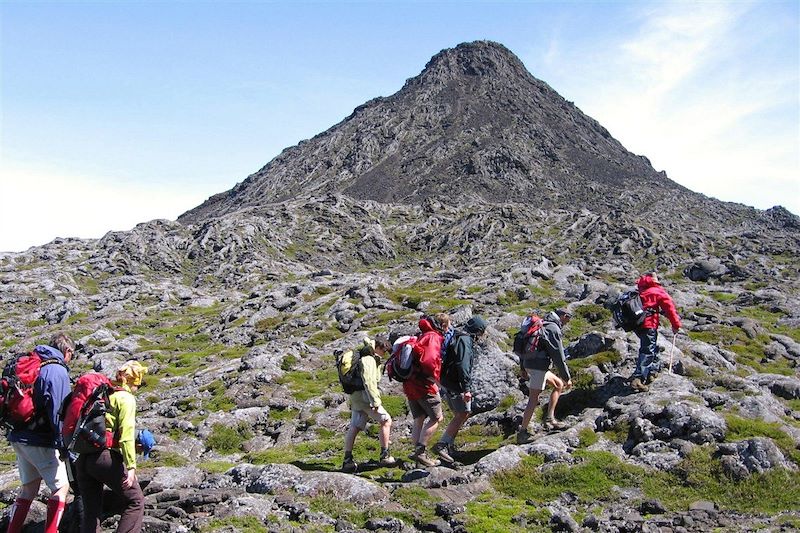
133,371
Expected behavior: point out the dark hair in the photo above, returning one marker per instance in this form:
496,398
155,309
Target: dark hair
366,351
62,342
382,342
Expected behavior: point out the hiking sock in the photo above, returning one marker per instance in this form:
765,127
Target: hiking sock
348,456
55,510
19,511
384,452
447,439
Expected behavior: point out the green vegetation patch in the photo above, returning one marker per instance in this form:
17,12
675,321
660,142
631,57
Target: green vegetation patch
497,513
441,295
215,467
591,479
744,428
227,440
700,477
251,524
306,385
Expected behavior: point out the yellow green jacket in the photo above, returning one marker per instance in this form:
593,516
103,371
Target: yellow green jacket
370,397
121,421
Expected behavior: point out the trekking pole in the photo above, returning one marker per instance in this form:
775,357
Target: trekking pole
672,351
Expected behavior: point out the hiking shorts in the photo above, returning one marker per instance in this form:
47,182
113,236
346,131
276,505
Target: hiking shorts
360,417
430,406
456,402
38,462
536,379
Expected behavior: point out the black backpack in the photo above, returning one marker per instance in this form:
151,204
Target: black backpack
450,371
628,311
348,366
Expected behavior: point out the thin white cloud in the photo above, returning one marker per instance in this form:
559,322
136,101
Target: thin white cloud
61,205
689,88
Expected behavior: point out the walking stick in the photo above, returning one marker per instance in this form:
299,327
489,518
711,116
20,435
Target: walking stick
672,351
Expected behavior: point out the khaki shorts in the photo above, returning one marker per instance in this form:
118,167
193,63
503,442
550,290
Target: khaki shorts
537,379
456,402
360,417
430,406
38,462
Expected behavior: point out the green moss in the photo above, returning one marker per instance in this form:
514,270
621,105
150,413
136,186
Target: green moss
227,440
607,357
35,323
591,479
441,295
288,362
250,524
307,385
324,337
700,477
723,297
283,414
165,459
586,437
507,403
744,428
491,512
418,500
395,404
215,467
269,324
619,433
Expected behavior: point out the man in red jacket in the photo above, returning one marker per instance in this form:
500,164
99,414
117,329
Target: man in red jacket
422,389
655,300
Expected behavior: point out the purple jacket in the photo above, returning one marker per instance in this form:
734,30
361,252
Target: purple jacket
49,391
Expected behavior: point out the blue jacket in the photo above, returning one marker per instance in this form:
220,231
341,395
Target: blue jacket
49,391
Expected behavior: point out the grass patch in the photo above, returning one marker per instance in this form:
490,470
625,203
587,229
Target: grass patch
251,524
700,477
441,295
491,512
227,440
591,479
307,385
744,428
166,459
215,467
587,437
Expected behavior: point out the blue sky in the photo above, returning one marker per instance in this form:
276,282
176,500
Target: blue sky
115,113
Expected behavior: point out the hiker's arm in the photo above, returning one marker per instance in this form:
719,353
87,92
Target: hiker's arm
370,376
555,348
52,393
464,364
126,427
668,307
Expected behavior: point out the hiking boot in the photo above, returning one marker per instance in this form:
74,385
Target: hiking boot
551,424
349,466
440,449
523,437
387,460
454,452
651,377
638,386
423,459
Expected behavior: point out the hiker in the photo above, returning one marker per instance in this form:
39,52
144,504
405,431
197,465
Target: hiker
422,390
115,467
655,300
366,404
456,380
536,369
38,446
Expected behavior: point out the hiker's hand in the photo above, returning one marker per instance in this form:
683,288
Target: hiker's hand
467,396
523,374
130,479
569,384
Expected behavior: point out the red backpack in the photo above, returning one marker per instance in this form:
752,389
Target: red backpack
526,341
17,405
84,414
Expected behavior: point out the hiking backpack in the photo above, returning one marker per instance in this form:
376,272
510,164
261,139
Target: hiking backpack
17,405
628,311
348,366
526,341
84,414
450,371
401,363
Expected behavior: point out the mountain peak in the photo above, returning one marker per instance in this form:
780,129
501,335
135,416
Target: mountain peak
473,124
477,58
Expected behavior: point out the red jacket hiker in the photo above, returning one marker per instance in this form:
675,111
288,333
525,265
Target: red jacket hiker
427,352
656,299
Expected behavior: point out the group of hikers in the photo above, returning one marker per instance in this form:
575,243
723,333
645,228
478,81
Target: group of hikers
439,363
45,452
443,361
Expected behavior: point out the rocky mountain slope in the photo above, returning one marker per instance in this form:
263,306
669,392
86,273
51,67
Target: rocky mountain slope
238,307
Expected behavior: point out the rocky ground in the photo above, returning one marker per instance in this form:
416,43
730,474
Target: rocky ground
238,317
